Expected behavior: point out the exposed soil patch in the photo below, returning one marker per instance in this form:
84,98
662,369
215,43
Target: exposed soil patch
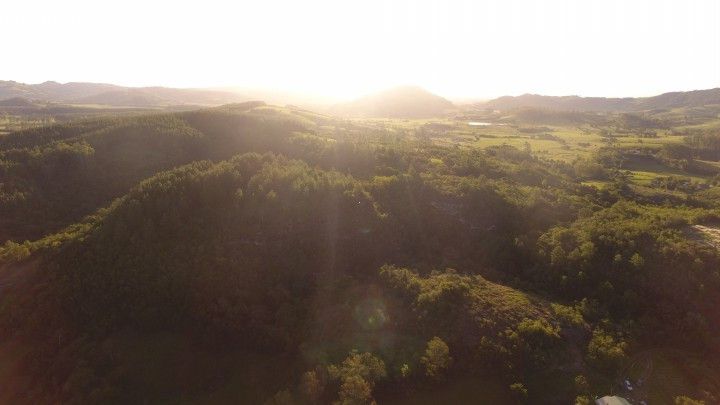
709,235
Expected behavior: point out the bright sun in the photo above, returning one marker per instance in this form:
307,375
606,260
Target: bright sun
344,49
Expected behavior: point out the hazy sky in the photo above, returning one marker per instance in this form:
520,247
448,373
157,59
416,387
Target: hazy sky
348,48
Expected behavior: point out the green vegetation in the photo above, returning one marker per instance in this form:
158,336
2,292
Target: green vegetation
260,254
437,358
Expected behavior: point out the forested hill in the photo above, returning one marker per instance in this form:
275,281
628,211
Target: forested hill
110,94
672,100
53,176
258,254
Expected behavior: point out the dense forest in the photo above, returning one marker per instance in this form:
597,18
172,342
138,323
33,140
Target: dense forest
259,254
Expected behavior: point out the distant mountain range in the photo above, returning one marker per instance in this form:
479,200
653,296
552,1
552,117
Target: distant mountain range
109,94
16,102
694,98
399,102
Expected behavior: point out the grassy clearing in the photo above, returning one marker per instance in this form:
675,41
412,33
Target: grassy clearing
598,184
558,143
10,123
561,143
635,142
669,373
644,169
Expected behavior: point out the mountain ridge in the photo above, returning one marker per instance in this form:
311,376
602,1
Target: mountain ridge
396,102
110,94
694,98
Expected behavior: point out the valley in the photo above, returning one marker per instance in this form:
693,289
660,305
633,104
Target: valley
268,254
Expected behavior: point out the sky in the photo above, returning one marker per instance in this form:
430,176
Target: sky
344,49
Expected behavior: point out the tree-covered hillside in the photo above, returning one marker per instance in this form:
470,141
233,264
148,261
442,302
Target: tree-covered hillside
258,254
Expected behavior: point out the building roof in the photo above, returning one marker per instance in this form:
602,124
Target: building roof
608,400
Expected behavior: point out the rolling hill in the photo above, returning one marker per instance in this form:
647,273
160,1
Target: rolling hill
169,236
16,102
400,102
235,258
112,95
252,253
574,103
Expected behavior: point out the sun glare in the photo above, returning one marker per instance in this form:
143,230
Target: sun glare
345,49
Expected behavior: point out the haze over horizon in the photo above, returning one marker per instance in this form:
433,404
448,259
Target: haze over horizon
346,50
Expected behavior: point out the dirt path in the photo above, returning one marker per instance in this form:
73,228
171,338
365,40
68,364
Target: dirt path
638,373
709,234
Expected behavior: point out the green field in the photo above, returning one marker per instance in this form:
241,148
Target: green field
10,123
564,143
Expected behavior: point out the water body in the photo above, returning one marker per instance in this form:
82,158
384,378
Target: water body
481,124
